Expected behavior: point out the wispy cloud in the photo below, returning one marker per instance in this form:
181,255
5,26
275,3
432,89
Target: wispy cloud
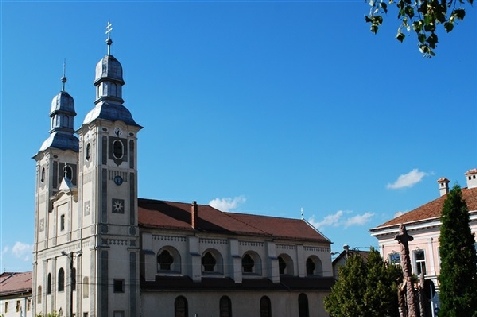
399,213
359,220
227,204
22,250
330,220
339,218
407,180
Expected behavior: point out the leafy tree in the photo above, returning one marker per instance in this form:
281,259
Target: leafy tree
458,274
425,17
364,288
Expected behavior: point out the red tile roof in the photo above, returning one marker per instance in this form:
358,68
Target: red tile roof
15,282
433,209
176,215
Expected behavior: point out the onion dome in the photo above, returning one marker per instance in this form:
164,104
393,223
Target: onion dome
109,82
62,113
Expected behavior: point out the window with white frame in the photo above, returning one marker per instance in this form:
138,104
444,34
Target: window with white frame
394,258
420,262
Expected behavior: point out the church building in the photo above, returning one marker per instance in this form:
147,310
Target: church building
99,250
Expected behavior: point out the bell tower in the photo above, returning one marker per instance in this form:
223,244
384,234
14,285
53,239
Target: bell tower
108,196
55,201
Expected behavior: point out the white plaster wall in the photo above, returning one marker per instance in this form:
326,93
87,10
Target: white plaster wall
206,303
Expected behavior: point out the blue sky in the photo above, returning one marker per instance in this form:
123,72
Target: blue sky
260,107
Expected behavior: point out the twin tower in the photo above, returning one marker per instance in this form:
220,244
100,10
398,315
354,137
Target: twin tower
86,252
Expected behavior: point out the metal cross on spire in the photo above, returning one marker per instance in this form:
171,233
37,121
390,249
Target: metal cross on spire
63,79
109,41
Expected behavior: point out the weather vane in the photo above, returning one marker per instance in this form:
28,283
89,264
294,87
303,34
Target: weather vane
109,28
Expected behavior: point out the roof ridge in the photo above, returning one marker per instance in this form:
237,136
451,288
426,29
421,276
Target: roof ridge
228,214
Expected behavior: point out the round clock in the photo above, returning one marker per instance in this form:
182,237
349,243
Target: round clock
118,180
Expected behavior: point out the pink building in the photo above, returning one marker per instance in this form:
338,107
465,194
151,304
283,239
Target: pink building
423,224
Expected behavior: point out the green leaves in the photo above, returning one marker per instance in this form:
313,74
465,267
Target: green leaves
364,288
458,273
425,16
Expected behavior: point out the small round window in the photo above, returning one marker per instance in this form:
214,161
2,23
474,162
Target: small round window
118,149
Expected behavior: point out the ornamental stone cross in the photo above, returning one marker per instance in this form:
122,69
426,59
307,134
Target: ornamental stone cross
403,238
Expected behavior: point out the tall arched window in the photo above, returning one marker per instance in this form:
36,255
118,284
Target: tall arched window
61,280
285,264
303,306
180,307
48,284
225,307
265,307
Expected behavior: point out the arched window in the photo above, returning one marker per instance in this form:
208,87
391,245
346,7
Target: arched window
251,263
310,266
48,284
225,307
164,260
247,263
61,280
303,306
42,179
39,295
314,266
265,307
85,287
118,149
282,265
285,263
208,262
180,307
168,260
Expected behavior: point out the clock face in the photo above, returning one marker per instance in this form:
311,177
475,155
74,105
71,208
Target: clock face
118,180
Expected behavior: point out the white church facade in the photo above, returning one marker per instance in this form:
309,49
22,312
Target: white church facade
99,250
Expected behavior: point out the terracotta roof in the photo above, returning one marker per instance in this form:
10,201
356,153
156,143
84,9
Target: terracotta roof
15,282
433,209
176,215
363,254
471,172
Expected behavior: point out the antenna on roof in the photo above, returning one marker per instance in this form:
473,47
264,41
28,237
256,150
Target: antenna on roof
302,217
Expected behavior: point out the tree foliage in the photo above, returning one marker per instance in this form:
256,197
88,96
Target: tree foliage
424,17
458,274
365,288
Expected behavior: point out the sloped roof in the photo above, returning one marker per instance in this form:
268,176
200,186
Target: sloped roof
433,209
15,282
363,254
177,215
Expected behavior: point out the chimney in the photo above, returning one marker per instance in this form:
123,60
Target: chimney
443,186
194,215
471,178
